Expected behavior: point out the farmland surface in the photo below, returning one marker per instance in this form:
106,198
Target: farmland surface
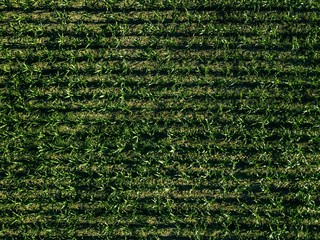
159,119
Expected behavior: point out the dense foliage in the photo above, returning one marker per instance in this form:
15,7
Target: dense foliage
159,119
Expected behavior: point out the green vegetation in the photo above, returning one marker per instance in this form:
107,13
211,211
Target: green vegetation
159,119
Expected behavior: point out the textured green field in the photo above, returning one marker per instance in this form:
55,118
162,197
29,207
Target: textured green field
159,119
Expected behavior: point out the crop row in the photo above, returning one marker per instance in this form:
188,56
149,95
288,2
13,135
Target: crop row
229,175
173,43
156,17
135,98
281,30
132,56
164,5
170,81
149,68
